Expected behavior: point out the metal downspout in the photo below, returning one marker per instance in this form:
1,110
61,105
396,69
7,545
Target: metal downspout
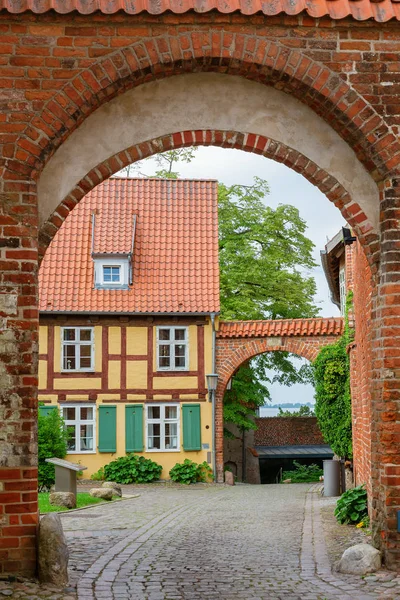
214,464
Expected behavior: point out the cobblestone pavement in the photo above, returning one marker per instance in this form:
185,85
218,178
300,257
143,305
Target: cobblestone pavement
206,542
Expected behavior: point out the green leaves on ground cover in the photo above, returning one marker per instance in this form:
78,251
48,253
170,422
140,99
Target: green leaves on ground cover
132,469
303,473
352,506
190,472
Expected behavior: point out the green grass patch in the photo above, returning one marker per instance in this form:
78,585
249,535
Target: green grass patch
82,499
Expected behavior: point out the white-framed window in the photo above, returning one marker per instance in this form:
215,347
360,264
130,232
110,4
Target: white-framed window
162,427
342,290
111,273
80,422
77,348
172,349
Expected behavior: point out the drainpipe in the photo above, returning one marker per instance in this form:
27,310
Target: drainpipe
213,361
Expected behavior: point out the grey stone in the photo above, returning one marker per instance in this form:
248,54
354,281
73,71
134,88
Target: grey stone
360,560
117,490
229,478
103,493
6,592
52,551
67,499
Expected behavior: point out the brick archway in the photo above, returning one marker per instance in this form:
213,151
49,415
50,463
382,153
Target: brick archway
58,69
252,56
258,144
239,341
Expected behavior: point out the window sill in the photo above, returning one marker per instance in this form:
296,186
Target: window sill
81,451
157,450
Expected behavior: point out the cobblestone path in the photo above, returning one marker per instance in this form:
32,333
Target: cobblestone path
206,542
245,542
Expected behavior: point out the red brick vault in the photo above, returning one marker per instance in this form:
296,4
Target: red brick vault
89,86
238,341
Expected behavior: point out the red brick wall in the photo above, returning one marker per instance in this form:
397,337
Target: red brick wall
287,431
360,364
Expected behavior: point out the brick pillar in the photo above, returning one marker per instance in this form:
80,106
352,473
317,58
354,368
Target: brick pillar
385,455
18,375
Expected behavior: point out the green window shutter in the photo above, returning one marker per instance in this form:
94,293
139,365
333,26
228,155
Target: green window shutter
134,428
107,428
191,427
44,411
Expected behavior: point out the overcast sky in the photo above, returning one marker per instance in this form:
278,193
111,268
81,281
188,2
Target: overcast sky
286,187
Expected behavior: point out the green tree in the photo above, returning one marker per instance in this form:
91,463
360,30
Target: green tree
52,443
304,411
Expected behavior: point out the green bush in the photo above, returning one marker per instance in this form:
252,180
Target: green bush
303,473
352,506
132,469
331,371
52,443
190,472
98,475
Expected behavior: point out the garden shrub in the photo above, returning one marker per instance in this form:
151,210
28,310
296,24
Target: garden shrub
303,473
98,475
190,472
52,443
132,469
352,506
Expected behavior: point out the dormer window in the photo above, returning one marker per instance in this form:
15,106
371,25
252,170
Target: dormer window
111,273
112,254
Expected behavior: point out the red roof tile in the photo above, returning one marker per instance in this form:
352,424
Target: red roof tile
380,10
283,327
175,258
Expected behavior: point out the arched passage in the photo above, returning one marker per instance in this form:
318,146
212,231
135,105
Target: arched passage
240,341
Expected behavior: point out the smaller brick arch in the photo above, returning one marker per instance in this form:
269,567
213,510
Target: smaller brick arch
238,341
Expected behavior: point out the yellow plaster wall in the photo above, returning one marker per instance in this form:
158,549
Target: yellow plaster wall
114,374
170,383
192,347
114,340
98,348
46,397
166,459
42,374
57,349
136,340
72,383
136,374
43,333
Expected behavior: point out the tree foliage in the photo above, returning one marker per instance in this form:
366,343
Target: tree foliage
52,443
332,393
304,411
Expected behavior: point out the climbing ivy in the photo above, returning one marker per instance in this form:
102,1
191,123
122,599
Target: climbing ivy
332,391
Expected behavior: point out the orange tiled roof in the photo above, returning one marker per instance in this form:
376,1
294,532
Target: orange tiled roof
283,327
175,259
380,10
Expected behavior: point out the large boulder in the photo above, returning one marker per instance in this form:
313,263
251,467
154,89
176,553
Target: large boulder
117,490
103,493
360,560
67,499
53,551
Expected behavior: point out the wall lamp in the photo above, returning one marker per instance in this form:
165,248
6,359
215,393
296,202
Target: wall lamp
212,382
